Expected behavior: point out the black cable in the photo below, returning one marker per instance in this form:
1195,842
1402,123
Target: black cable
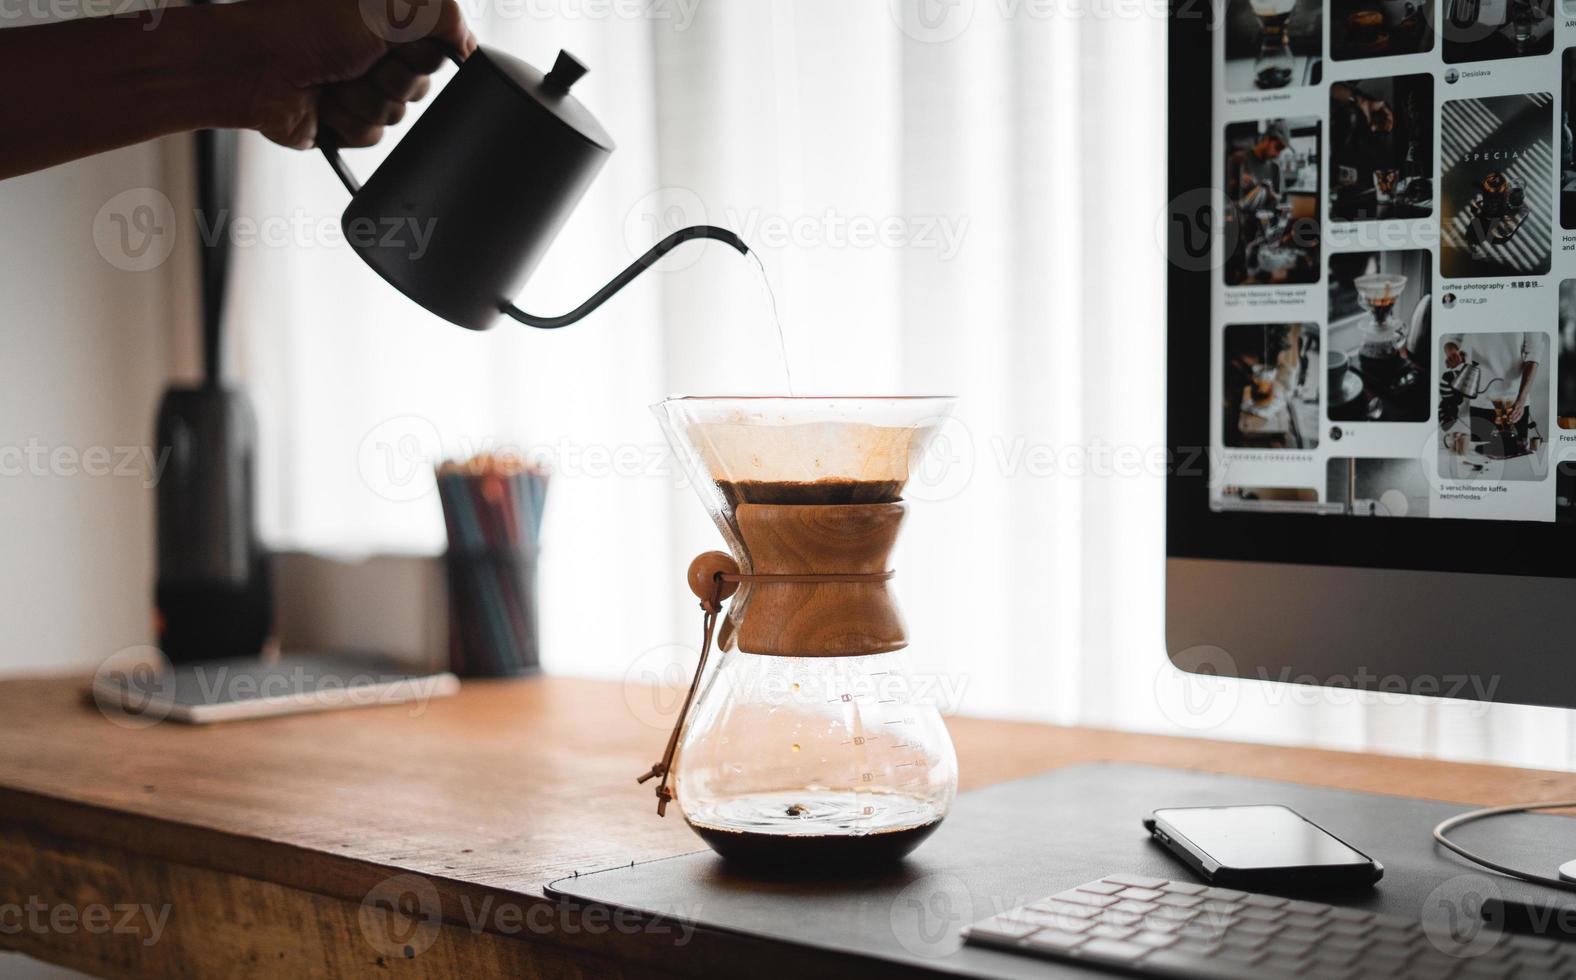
215,197
216,161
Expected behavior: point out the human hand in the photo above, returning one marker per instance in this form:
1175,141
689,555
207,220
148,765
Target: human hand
346,66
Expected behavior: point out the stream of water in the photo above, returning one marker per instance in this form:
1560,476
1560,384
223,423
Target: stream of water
771,306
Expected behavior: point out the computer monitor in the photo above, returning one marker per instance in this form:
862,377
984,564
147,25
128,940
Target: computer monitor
1372,345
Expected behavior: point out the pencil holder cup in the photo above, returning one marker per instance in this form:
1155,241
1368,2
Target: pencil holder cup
492,613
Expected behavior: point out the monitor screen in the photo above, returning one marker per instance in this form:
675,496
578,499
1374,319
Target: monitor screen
1392,275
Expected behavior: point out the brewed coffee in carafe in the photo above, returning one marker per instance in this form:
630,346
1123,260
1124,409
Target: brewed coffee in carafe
805,744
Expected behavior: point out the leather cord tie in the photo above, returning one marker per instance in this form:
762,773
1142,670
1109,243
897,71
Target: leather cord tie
724,585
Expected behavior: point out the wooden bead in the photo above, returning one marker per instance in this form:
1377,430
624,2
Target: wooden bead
703,572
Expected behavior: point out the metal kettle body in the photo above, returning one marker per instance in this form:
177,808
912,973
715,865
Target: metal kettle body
464,208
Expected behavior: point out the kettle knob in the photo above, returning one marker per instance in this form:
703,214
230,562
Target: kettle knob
567,70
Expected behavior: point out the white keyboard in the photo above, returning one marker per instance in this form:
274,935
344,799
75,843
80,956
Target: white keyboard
1181,929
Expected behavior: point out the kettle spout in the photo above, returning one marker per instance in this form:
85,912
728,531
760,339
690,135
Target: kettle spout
623,279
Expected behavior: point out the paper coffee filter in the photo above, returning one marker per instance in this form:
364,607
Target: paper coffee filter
729,447
726,445
807,452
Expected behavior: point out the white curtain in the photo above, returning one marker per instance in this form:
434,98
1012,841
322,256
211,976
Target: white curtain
948,198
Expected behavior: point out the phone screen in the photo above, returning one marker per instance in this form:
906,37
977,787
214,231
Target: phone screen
1254,837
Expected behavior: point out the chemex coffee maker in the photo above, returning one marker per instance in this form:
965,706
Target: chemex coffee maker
807,746
483,181
1379,378
1386,337
1275,64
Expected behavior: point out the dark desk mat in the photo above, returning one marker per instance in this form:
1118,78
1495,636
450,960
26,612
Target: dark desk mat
1018,841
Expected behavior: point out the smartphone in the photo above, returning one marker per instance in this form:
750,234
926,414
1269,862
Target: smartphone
1261,848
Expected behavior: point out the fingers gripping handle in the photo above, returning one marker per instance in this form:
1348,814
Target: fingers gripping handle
329,143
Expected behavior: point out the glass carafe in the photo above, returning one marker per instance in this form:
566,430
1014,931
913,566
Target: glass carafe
1275,65
1384,335
806,745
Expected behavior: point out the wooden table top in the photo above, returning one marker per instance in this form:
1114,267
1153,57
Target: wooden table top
505,787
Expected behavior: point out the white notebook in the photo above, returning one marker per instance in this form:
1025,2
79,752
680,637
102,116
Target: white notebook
251,687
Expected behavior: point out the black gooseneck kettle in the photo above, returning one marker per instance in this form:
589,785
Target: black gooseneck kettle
464,207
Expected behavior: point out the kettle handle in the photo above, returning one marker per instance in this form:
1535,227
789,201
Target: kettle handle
329,144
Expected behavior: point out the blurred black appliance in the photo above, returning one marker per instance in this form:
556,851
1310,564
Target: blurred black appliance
213,595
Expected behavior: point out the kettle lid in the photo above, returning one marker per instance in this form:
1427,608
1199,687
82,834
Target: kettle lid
551,90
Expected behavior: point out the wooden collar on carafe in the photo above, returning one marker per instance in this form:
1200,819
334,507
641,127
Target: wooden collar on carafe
844,613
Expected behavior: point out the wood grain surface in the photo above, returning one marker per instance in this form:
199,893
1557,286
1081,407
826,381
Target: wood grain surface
821,619
266,837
